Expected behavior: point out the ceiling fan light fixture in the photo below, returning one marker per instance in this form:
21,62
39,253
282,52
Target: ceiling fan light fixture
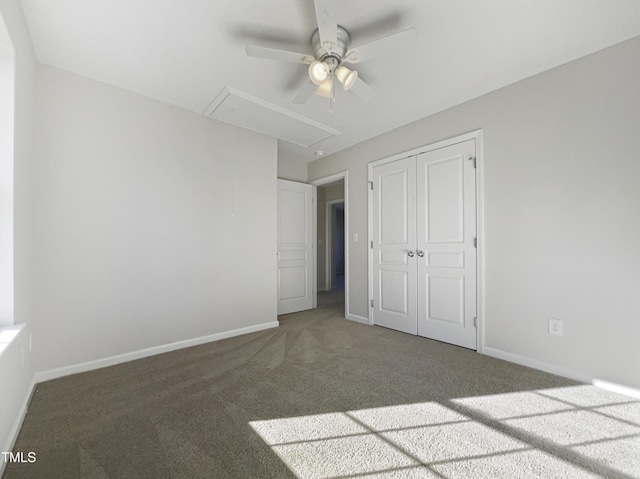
318,72
347,77
326,88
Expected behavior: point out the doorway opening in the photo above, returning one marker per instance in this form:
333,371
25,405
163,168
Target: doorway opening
332,267
335,245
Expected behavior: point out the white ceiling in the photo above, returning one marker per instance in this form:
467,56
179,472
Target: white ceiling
185,52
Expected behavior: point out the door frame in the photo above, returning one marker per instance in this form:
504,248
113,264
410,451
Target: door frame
343,175
476,135
329,240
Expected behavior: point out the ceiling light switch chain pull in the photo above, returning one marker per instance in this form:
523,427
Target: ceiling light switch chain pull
332,98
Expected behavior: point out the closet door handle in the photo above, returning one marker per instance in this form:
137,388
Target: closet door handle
410,254
420,253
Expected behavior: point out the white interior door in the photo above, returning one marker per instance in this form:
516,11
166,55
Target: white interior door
446,228
295,246
394,240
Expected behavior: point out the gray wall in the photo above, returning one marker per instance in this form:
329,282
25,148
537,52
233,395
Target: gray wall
148,230
135,224
292,170
561,211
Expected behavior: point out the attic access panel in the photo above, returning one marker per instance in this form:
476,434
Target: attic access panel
243,110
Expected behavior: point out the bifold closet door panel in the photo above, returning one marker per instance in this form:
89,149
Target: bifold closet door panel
446,233
394,239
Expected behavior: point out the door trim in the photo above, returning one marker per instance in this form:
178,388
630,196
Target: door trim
329,240
343,175
476,135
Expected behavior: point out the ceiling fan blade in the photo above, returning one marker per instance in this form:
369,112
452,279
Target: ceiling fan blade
327,26
275,54
305,92
383,46
363,91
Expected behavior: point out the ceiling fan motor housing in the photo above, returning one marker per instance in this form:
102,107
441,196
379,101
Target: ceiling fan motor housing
344,39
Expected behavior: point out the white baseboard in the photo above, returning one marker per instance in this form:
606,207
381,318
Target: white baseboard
17,424
143,353
561,371
359,319
110,361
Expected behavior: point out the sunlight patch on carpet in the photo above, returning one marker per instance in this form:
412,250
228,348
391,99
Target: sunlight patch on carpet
571,432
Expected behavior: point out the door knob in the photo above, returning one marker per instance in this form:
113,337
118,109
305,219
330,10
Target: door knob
411,254
420,253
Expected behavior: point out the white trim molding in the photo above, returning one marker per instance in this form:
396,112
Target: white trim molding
111,361
561,371
144,353
17,423
15,357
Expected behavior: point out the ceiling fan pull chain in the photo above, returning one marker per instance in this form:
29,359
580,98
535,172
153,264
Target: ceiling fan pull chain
333,95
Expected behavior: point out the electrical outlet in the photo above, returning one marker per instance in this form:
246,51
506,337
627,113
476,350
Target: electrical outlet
555,327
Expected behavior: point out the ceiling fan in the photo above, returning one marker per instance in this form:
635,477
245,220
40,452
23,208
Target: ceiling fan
331,50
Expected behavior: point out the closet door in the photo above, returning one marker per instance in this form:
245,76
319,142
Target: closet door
446,252
394,240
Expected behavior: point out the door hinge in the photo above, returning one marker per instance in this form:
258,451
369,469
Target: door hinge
475,242
371,244
475,322
371,185
475,162
372,303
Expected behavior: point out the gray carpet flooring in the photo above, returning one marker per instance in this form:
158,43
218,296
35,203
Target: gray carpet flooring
323,397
